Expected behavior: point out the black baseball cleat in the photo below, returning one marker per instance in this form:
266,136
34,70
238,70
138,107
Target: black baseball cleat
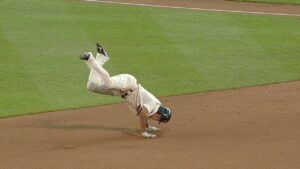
100,49
85,56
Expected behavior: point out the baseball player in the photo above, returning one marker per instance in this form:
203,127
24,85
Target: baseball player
139,100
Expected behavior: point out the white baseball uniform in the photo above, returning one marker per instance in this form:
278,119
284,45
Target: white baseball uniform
124,85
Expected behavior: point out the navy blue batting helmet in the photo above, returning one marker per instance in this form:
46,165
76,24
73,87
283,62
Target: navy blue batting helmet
165,114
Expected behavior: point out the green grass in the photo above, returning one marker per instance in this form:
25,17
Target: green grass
290,2
171,52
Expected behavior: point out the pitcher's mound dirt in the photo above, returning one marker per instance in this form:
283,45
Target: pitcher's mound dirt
256,127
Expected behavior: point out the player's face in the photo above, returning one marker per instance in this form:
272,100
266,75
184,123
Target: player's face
155,117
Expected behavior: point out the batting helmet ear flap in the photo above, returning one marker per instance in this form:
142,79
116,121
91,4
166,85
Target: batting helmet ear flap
165,114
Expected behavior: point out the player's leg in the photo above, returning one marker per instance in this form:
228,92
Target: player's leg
101,55
144,123
97,71
101,59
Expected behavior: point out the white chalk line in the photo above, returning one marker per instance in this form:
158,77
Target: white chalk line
201,9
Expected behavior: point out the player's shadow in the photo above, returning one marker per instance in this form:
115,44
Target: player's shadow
49,125
128,131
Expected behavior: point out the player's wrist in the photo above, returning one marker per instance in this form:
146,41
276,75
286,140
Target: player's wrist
152,128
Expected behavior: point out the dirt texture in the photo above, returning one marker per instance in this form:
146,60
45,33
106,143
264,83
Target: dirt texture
256,127
250,128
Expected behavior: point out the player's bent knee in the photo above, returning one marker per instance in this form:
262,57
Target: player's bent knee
132,77
91,86
133,80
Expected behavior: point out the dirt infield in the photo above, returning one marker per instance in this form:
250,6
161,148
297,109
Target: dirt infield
250,128
221,4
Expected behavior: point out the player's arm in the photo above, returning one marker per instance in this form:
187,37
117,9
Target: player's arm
144,123
143,119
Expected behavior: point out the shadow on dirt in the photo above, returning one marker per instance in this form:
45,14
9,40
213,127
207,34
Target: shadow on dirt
49,125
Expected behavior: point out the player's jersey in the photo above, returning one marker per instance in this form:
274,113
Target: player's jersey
139,98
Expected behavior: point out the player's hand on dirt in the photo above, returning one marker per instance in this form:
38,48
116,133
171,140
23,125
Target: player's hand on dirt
152,128
148,135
